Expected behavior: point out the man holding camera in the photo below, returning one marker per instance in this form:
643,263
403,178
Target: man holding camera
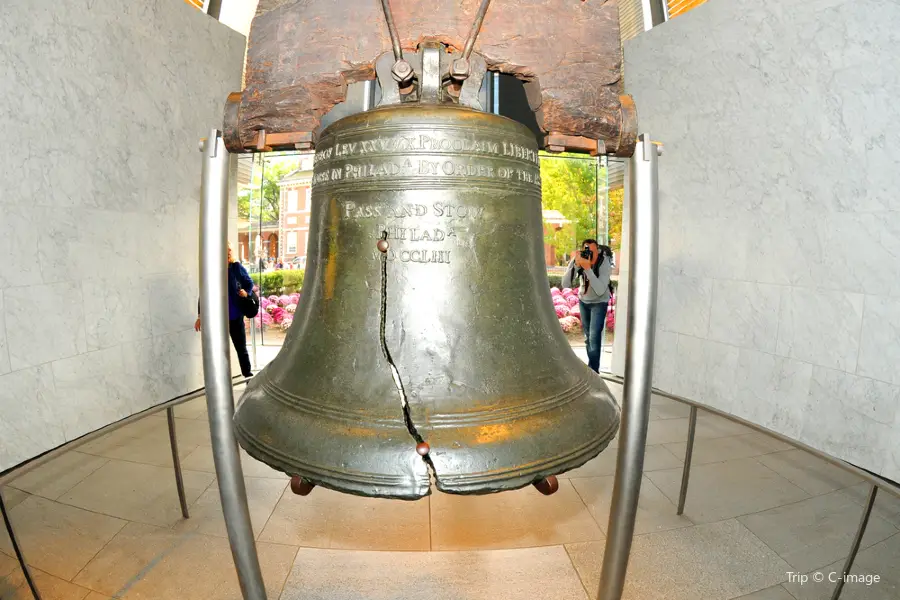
592,266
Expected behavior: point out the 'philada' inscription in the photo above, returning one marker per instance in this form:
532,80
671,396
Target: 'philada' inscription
391,219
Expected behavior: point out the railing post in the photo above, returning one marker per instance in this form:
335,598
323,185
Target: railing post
217,366
176,462
688,457
643,205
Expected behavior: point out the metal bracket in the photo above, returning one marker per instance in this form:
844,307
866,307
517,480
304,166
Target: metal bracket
471,87
430,90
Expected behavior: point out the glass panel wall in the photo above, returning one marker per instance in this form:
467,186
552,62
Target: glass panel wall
273,225
582,199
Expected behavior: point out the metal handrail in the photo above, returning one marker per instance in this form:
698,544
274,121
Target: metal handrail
17,471
885,484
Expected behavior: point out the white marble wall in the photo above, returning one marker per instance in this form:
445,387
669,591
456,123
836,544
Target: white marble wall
102,104
780,215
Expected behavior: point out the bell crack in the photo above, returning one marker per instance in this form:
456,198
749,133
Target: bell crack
421,445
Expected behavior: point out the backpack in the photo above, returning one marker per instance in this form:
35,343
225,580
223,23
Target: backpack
249,306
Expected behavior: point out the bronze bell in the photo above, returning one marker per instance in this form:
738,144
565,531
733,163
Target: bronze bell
426,319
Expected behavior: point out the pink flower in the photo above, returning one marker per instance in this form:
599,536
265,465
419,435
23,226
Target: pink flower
561,311
570,324
554,291
572,301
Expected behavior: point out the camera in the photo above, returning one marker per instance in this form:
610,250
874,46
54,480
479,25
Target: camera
587,254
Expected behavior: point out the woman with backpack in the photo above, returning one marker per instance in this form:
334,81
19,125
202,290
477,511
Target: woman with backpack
240,297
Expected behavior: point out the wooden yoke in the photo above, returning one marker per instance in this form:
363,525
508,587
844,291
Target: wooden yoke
302,55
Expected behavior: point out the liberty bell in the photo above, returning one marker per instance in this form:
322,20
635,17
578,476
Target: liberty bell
426,347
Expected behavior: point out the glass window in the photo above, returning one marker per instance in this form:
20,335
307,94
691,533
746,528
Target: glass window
308,202
293,197
292,242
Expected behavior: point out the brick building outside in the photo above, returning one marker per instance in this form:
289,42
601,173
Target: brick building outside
295,190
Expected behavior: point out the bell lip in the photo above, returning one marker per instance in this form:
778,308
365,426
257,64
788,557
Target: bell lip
399,490
517,483
483,483
462,485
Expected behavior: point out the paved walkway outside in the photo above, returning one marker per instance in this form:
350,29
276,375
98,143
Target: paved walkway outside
103,522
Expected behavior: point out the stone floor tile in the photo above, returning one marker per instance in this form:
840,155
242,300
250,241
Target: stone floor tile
887,505
815,532
712,450
655,511
48,586
134,549
329,519
666,408
108,441
192,409
201,568
711,426
136,492
8,564
523,574
206,512
655,458
513,519
59,539
667,431
201,459
773,593
151,449
716,561
13,497
880,561
811,474
56,477
729,489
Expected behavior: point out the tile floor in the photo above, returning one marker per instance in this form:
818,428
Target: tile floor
103,522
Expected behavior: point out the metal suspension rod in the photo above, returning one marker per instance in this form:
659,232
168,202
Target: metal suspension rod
476,28
643,204
392,29
217,366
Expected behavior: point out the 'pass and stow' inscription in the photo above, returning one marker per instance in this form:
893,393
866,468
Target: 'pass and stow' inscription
455,228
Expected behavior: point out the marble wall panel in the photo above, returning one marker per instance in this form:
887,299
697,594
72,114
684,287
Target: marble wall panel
100,204
778,186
